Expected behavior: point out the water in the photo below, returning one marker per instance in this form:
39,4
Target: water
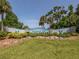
38,30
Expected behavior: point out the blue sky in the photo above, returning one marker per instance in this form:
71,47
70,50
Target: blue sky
29,11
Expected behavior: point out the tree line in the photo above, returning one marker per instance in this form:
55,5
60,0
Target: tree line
8,17
59,17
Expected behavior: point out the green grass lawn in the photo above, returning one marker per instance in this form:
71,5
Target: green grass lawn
42,49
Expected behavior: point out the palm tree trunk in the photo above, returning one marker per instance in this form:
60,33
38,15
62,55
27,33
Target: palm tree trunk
2,25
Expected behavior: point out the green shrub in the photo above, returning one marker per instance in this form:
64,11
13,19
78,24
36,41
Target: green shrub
69,34
2,35
23,34
32,34
17,35
55,34
42,34
65,35
52,34
74,34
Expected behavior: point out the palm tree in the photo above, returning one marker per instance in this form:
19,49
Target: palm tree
4,8
77,13
57,13
49,13
77,10
57,8
70,15
50,20
70,8
42,21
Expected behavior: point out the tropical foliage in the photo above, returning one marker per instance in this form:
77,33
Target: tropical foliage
42,21
59,17
11,20
4,8
16,35
77,13
8,17
2,35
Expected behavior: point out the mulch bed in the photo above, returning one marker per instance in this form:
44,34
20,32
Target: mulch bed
10,42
